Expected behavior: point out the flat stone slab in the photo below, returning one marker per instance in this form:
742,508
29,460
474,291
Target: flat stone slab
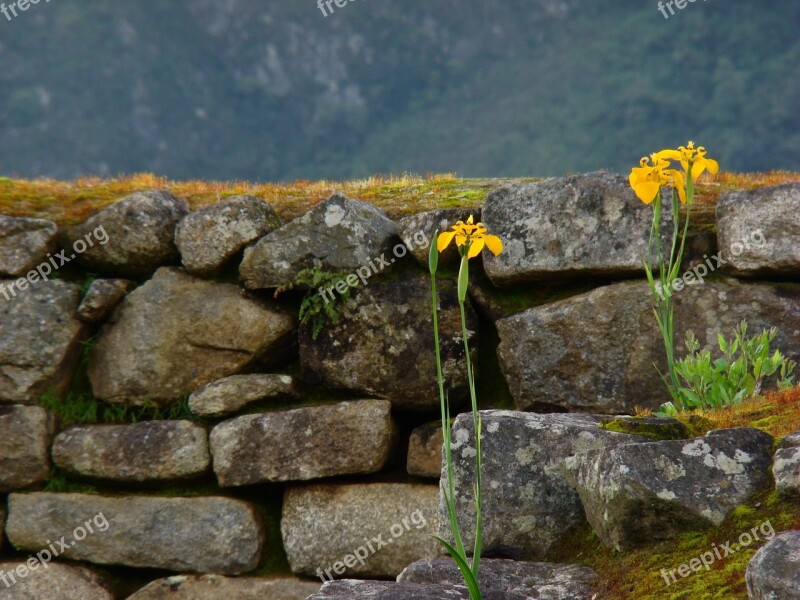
51,581
25,434
304,443
640,494
231,394
147,451
529,507
534,580
371,530
215,587
201,535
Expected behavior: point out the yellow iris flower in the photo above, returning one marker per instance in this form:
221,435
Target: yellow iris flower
687,155
647,179
471,236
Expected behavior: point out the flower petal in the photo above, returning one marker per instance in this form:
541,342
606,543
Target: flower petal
494,244
475,248
646,190
444,240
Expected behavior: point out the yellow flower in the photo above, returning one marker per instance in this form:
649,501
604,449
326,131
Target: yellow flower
687,155
470,236
647,179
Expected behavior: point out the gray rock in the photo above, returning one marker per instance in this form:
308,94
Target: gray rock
575,226
639,494
774,572
214,587
25,434
147,451
595,352
368,530
382,345
338,235
39,346
545,581
205,535
133,237
356,589
305,443
231,394
3,515
419,230
528,506
101,298
54,581
758,231
210,237
425,451
176,333
786,468
24,244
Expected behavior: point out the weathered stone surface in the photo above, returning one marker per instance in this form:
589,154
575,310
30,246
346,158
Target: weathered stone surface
101,298
417,231
786,468
382,345
528,506
425,451
339,235
639,494
653,428
304,443
774,571
24,244
595,352
177,333
55,582
323,525
147,451
210,237
758,231
25,434
215,587
575,226
39,345
140,232
231,394
548,581
356,589
205,535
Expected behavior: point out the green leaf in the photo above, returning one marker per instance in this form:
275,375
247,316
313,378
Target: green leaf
433,255
463,280
466,572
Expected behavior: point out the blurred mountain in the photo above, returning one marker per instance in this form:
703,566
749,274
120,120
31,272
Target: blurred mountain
276,91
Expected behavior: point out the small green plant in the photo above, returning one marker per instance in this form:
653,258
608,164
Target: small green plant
315,308
733,377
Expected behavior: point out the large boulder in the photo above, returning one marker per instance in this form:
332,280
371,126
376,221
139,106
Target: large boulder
131,238
543,581
575,226
786,468
638,494
758,231
210,237
774,571
24,244
101,298
176,333
305,443
231,394
147,451
202,535
357,589
339,235
25,434
528,506
215,587
382,345
367,530
51,581
40,341
596,352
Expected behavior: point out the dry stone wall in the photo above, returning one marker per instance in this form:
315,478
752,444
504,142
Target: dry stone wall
162,406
